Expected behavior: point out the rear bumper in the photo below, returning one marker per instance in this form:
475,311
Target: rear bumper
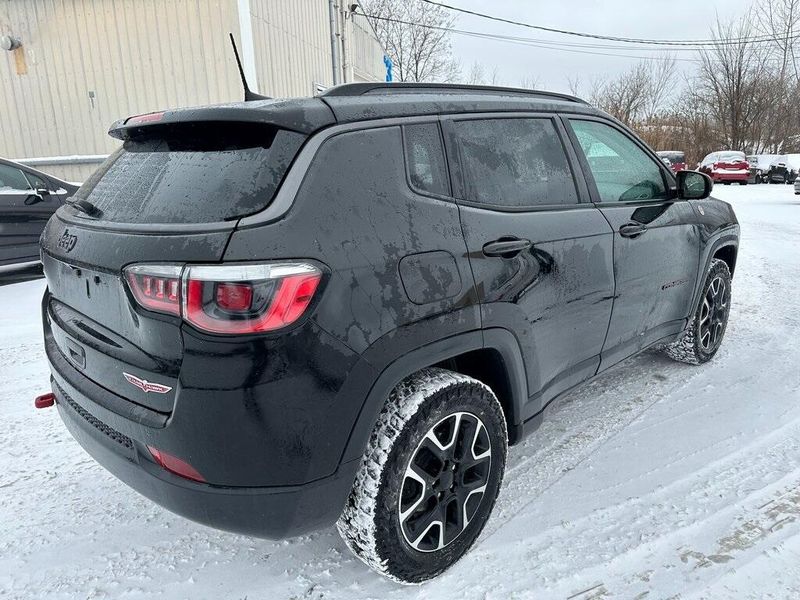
722,176
241,440
269,512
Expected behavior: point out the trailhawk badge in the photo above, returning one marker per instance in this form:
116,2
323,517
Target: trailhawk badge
146,386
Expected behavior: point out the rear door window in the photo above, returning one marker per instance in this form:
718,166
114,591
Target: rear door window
514,163
192,173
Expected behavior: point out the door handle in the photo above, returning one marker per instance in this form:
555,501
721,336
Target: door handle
632,230
506,248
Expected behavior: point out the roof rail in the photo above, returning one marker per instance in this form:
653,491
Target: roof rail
362,89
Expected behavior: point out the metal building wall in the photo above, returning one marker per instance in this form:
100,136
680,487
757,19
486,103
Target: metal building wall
136,56
293,46
365,52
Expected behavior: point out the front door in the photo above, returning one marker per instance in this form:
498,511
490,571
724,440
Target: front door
656,240
541,258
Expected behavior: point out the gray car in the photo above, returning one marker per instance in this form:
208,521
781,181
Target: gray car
27,199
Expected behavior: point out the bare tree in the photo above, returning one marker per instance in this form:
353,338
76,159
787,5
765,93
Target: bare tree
574,85
730,83
743,95
494,76
624,97
661,83
416,37
477,74
780,20
530,82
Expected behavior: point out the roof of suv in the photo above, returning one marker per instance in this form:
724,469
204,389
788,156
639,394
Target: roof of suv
365,101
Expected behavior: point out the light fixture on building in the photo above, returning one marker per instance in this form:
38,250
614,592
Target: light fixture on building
8,42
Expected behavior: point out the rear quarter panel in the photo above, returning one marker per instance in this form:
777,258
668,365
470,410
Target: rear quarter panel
355,212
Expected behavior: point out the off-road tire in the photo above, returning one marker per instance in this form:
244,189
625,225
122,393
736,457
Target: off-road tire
688,348
371,523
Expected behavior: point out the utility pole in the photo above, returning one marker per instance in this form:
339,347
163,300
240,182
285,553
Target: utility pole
334,19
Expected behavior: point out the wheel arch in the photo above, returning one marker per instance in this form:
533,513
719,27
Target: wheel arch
492,356
725,247
727,252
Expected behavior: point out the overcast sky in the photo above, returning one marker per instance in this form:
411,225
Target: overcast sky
676,19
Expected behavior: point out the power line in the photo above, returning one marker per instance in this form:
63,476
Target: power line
537,43
627,40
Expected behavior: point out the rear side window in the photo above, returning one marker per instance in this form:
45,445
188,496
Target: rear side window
514,163
425,158
192,173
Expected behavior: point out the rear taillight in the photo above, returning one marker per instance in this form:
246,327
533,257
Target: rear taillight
229,299
248,298
156,287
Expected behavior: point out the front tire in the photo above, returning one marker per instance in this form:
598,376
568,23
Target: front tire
703,337
429,478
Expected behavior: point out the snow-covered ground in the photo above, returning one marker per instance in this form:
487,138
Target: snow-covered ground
658,479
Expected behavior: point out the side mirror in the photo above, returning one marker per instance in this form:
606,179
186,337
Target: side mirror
33,199
693,185
42,192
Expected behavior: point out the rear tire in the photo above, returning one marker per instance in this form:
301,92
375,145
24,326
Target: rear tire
701,340
429,477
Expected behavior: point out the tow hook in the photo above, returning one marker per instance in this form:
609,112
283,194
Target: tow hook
45,400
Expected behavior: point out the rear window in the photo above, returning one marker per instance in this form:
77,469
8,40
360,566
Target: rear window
192,173
731,156
674,157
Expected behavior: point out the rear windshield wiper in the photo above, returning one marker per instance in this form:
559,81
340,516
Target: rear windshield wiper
84,206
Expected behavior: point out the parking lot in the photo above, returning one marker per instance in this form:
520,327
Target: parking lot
657,478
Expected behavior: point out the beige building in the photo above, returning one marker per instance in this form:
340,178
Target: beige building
82,64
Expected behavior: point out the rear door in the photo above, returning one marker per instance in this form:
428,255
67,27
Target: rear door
541,258
21,220
656,239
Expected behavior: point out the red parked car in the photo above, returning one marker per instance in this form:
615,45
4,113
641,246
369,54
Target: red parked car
677,160
726,166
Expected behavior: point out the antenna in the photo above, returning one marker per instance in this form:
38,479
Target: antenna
248,93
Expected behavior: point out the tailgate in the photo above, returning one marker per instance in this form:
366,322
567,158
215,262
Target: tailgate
96,325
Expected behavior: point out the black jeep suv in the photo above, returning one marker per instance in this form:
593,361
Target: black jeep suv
273,316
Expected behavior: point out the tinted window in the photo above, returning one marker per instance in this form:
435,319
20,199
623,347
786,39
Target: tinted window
12,179
425,158
674,157
514,163
194,173
622,170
